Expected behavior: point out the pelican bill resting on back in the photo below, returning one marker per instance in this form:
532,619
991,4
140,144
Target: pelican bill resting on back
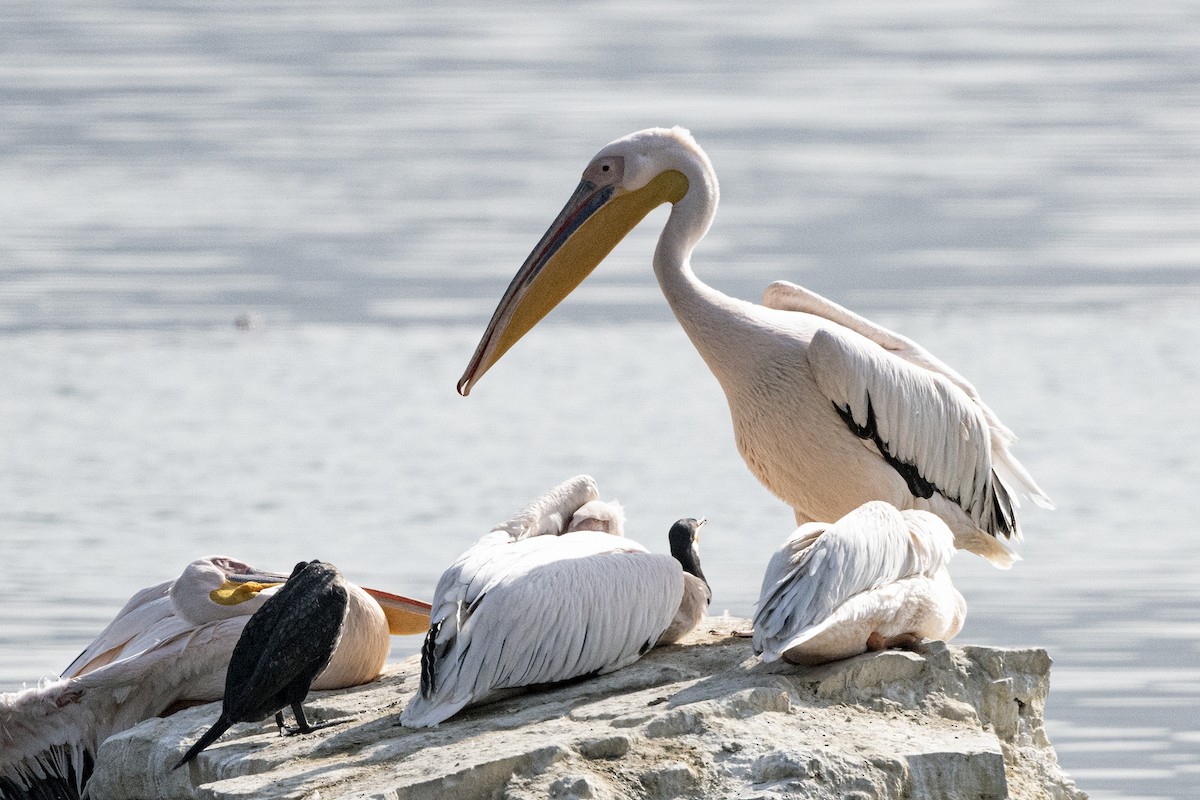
875,579
829,409
546,597
166,649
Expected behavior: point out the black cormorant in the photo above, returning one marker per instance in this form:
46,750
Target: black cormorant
283,647
683,537
696,592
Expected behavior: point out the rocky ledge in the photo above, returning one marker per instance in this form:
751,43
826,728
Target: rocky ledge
705,718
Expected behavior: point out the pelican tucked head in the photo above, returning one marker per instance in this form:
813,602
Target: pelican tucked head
625,182
605,516
219,587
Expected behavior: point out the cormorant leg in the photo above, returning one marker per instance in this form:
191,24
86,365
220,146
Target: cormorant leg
301,721
302,725
279,722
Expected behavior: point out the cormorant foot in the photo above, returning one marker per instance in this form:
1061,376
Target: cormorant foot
288,731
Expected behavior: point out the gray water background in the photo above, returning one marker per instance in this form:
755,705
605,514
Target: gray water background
1015,185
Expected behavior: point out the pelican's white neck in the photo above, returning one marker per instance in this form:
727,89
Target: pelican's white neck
699,308
693,214
689,220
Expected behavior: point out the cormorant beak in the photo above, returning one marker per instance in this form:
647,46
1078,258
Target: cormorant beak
700,523
405,616
599,214
243,586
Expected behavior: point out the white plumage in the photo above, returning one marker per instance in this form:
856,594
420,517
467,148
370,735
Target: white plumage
829,410
877,578
158,615
607,516
530,603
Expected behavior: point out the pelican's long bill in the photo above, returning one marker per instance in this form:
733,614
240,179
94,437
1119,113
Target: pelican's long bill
242,586
599,214
405,616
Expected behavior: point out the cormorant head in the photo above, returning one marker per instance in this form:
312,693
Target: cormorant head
683,537
300,565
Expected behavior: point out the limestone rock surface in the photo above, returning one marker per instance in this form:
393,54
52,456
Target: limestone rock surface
704,719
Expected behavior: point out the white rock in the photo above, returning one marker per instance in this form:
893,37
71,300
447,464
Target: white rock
702,719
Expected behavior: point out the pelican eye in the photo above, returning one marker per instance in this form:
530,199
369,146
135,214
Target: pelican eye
606,171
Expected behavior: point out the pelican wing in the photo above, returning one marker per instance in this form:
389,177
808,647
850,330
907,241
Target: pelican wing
468,579
786,296
821,566
49,734
142,612
547,610
924,426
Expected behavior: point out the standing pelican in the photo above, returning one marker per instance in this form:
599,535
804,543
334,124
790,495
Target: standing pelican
875,579
532,603
282,648
829,410
168,648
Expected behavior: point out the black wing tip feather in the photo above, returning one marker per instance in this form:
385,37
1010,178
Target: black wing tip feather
1003,520
59,776
429,661
1004,517
917,483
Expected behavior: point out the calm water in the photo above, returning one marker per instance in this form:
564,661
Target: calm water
1017,186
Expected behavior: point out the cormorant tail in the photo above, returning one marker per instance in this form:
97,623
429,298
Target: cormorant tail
213,734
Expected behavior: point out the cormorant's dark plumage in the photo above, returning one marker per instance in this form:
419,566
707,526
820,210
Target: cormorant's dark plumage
682,536
283,647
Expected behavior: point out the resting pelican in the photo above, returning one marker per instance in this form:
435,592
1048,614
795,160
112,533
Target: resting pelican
532,603
607,516
875,579
282,648
168,648
829,410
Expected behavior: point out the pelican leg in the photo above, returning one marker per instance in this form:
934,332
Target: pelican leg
903,641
